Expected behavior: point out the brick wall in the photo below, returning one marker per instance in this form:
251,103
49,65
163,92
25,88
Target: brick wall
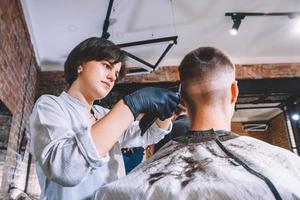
237,127
18,77
51,83
251,71
276,134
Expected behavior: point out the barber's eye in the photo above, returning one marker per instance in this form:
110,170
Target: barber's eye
107,66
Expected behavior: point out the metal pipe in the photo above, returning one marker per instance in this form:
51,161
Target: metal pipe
151,41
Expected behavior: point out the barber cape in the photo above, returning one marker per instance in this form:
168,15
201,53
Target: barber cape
211,165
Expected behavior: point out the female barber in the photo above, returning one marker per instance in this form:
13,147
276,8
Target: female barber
77,145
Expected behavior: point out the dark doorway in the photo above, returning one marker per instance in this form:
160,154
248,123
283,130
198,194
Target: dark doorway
5,123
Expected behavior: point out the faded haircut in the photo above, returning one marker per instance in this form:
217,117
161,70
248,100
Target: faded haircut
204,70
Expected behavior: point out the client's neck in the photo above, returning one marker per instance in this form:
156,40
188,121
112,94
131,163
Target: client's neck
208,117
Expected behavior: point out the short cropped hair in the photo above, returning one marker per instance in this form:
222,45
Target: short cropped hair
201,65
93,49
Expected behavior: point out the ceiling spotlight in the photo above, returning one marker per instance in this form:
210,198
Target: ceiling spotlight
237,17
235,27
233,31
237,20
295,116
293,15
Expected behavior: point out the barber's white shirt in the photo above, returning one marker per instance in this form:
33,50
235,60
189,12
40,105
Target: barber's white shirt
202,170
68,164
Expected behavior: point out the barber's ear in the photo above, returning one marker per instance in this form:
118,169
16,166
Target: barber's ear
234,92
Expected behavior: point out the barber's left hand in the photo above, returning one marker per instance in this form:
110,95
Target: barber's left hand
159,102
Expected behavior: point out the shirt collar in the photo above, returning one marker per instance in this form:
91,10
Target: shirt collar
72,100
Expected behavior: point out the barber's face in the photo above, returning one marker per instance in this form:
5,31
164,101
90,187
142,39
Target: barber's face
98,78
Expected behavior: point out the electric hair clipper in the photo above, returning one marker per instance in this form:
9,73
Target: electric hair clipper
149,118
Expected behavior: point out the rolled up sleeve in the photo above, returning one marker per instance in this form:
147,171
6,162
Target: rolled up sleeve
132,136
65,154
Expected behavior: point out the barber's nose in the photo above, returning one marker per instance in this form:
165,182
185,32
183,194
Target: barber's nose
112,75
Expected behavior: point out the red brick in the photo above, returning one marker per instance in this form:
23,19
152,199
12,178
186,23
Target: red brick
16,53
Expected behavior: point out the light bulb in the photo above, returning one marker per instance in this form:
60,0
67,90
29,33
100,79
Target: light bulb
233,31
295,117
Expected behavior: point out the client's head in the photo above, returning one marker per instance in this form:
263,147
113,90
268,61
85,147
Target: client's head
207,79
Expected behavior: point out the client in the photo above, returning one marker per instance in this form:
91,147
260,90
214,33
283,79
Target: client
211,162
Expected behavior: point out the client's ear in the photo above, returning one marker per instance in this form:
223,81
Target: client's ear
234,92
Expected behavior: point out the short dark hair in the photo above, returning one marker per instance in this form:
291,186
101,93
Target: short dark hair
201,64
96,49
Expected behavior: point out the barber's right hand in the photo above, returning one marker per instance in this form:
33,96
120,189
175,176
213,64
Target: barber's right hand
158,101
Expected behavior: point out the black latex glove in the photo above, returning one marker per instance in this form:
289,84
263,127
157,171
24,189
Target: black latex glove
157,101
